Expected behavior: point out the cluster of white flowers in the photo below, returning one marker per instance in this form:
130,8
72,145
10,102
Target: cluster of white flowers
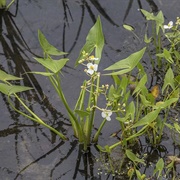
91,65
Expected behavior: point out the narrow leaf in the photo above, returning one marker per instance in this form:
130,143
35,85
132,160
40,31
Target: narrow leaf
128,27
42,73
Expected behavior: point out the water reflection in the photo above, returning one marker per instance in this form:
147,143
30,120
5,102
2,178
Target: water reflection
151,3
30,151
85,5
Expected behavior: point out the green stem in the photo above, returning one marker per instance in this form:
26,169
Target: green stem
80,102
162,127
36,118
95,139
140,132
90,119
159,50
88,123
76,126
9,5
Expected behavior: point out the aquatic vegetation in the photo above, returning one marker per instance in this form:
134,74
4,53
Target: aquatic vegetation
140,111
4,5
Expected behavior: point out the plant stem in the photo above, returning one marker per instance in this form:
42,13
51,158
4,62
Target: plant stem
36,118
93,96
140,132
95,139
73,119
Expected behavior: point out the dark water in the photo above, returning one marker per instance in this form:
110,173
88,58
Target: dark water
29,151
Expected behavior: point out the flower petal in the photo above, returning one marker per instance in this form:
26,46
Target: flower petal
109,113
170,23
95,67
89,65
103,114
90,71
166,27
108,118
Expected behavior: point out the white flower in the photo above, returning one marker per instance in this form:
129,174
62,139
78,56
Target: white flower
169,26
106,114
91,68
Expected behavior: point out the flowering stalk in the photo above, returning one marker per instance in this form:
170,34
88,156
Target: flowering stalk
92,99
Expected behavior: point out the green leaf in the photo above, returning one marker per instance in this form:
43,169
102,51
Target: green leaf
42,73
159,167
168,80
159,18
177,54
94,40
144,101
47,47
133,157
146,120
7,77
53,65
124,84
167,55
140,87
131,110
149,16
80,101
128,27
159,21
82,113
116,80
111,93
11,89
177,127
139,176
165,104
127,64
146,39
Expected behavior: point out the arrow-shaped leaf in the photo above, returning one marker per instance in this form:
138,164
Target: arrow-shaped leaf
126,64
47,47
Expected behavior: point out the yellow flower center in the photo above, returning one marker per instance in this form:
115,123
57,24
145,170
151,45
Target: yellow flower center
91,67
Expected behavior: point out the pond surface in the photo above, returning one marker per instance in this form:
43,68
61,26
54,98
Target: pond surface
29,151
